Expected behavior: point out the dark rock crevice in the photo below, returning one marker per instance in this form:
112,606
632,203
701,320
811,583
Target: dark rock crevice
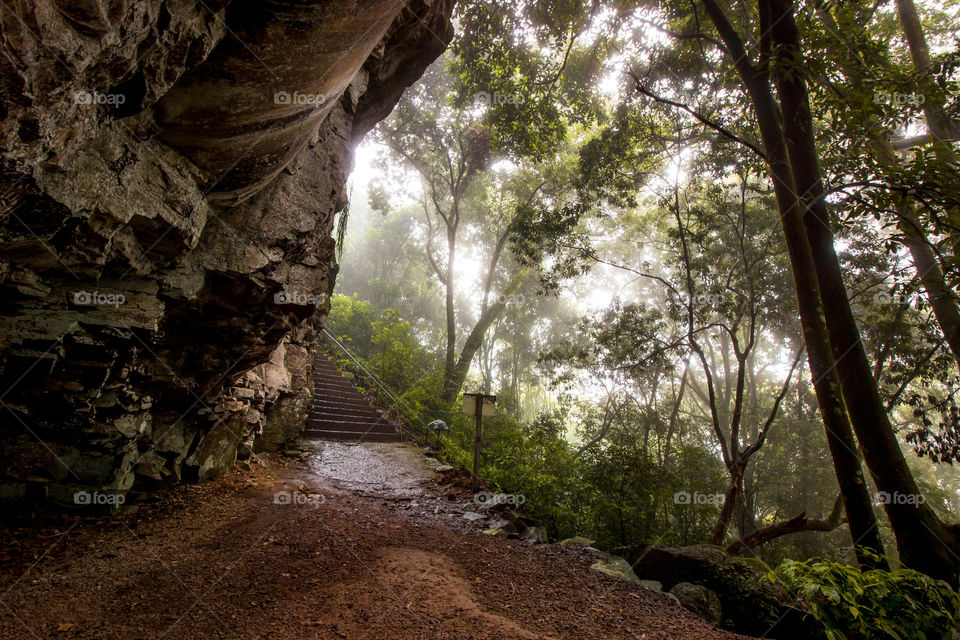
165,249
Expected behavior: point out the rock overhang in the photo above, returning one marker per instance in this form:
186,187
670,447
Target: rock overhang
146,239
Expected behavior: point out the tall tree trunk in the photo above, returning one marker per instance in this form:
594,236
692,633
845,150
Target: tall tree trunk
937,119
451,351
846,463
923,541
729,501
515,367
674,414
743,510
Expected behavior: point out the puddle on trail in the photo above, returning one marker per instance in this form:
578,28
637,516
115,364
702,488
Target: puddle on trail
378,468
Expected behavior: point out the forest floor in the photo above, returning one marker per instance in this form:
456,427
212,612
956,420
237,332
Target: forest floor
345,541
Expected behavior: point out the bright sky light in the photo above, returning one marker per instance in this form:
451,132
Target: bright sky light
363,167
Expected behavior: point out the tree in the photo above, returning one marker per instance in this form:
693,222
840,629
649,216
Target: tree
504,213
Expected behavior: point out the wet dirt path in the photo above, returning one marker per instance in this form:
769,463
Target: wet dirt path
347,541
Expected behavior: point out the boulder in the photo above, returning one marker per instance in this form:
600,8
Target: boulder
534,534
217,450
700,600
616,567
751,604
670,565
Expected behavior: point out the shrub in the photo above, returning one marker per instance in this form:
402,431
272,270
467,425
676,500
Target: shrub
901,604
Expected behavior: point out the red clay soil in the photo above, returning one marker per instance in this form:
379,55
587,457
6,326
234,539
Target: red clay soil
348,558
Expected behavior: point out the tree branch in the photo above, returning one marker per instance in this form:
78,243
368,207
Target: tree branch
796,524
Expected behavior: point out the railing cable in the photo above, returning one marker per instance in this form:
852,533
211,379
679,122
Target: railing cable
376,381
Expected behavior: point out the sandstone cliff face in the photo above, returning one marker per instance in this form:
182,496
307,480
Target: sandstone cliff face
169,177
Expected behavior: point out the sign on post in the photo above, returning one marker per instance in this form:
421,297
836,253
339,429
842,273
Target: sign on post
479,405
487,402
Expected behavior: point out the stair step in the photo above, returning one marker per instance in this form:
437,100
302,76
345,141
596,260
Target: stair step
330,377
334,417
342,400
321,391
344,435
339,386
340,397
349,416
341,425
331,393
335,404
335,423
341,412
341,432
338,420
338,405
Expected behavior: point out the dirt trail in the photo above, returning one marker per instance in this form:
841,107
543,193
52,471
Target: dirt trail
350,541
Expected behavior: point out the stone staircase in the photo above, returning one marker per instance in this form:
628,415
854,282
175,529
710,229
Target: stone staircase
340,412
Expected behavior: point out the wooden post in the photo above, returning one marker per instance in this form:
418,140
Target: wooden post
479,402
476,448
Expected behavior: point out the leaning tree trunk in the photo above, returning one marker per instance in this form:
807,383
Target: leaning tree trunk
938,121
924,542
729,501
453,382
943,300
795,524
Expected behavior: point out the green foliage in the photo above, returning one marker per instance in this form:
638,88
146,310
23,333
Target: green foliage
532,460
901,604
614,493
525,114
351,320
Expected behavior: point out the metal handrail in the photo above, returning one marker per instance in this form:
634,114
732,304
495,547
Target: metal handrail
362,368
376,381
